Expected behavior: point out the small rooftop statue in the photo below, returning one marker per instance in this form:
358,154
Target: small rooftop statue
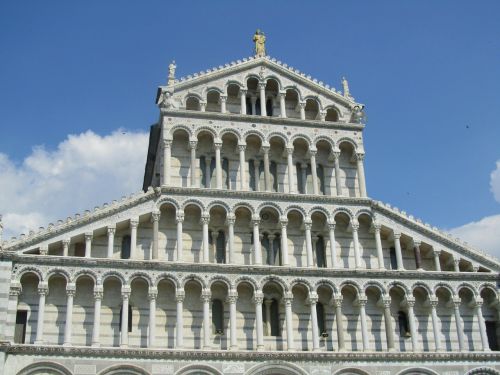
171,73
260,43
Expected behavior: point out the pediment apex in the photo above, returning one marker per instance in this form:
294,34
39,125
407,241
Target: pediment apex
252,66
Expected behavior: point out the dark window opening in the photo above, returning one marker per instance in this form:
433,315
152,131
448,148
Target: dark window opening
275,319
321,178
257,107
269,107
225,169
404,327
220,247
277,250
251,168
80,249
320,313
320,252
218,316
300,183
249,106
394,261
274,175
491,332
129,318
20,328
125,250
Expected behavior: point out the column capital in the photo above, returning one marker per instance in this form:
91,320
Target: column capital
134,222
152,292
232,296
258,297
410,301
362,301
336,154
354,226
262,85
433,301
322,115
98,292
386,301
167,143
243,91
477,303
44,249
360,156
88,236
417,243
180,294
155,216
436,252
312,152
281,94
456,259
71,289
396,235
205,217
288,297
206,295
179,218
283,221
308,222
193,144
217,144
66,242
456,301
313,298
242,146
377,226
268,301
223,98
255,220
15,289
302,104
43,289
231,218
289,149
337,300
111,229
126,290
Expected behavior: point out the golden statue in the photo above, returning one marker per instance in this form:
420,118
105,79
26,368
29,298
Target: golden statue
260,43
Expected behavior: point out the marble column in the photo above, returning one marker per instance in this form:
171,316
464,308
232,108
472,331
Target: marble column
362,300
43,290
256,173
338,180
302,109
243,101
437,262
410,303
289,153
12,304
433,301
152,295
155,218
192,149
337,303
378,243
65,244
288,299
253,100
333,243
313,300
309,250
243,182
458,322
124,326
111,240
232,298
205,219
223,99
284,241
208,172
312,154
256,240
206,298
477,304
281,96
355,240
96,327
270,255
262,87
218,164
203,106
303,172
258,299
68,324
134,223
267,320
456,263
322,115
231,219
267,169
418,257
361,174
179,298
44,249
179,219
88,244
397,248
389,333
167,147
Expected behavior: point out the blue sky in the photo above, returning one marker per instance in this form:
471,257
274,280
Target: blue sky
427,71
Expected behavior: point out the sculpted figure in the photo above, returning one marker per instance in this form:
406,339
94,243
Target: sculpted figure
260,43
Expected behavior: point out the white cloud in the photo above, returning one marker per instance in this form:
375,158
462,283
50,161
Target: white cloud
84,170
482,234
495,182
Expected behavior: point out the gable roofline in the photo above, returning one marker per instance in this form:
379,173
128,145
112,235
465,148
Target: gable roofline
252,61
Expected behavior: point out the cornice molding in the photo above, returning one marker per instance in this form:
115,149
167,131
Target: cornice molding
243,355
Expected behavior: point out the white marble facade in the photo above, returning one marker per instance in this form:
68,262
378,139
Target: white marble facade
252,249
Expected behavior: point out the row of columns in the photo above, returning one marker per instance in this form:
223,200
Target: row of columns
230,221
167,144
361,301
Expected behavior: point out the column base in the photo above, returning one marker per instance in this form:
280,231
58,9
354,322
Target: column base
233,348
260,348
96,345
38,342
66,344
124,346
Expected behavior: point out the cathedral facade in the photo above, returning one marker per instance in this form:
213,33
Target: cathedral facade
253,248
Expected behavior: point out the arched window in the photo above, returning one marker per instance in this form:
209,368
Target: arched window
129,318
192,104
394,261
220,248
320,313
269,107
274,175
275,319
321,178
320,252
404,330
218,316
225,172
125,249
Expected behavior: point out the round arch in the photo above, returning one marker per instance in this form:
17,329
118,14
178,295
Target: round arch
198,369
167,276
44,368
278,135
417,371
84,273
347,140
351,371
326,282
175,128
57,272
276,279
29,269
246,279
195,278
167,200
123,370
483,371
140,275
271,205
232,131
274,367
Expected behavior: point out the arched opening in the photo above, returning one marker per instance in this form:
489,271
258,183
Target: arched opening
193,104
272,316
312,109
327,328
423,321
193,315
83,311
125,247
233,102
303,166
167,233
272,89
166,317
296,239
292,103
138,313
271,237
319,231
402,328
207,159
245,315
490,314
217,235
253,100
344,241
111,312
55,310
180,158
213,101
325,168
230,161
220,315
375,315
332,115
350,319
255,163
27,310
348,169
278,167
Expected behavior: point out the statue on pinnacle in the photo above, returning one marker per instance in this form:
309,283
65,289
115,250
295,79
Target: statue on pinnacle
260,43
